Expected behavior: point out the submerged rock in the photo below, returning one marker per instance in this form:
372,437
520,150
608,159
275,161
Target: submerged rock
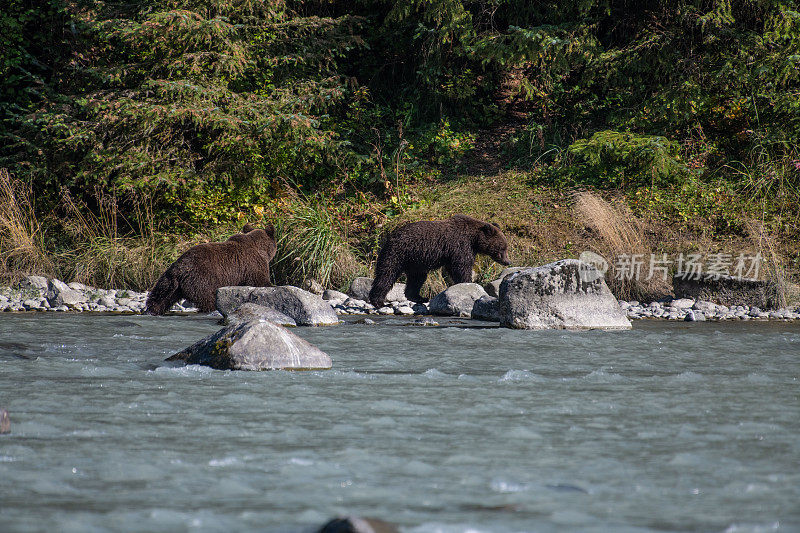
305,308
255,345
567,294
361,286
250,311
456,300
355,524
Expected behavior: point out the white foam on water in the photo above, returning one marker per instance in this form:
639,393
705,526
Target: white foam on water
521,375
225,461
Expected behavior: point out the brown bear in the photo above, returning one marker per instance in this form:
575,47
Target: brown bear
201,270
417,248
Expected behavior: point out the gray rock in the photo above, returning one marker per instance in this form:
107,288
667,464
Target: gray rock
427,321
705,306
754,311
80,287
312,286
420,308
493,287
361,286
38,283
404,310
330,294
305,308
682,303
456,300
386,310
366,322
567,294
257,345
107,301
486,308
253,312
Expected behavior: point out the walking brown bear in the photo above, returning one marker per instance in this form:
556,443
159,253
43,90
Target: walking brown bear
417,248
201,270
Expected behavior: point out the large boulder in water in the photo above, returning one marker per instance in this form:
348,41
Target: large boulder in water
456,300
250,311
304,308
360,288
255,345
567,294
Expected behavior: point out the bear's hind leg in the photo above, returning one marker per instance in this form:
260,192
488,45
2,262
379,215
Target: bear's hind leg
416,280
382,285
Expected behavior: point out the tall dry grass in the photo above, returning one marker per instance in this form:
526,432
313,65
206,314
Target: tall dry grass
22,249
101,256
91,248
312,245
617,235
773,270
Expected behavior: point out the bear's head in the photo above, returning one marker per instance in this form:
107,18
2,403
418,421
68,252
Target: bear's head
268,229
263,238
491,241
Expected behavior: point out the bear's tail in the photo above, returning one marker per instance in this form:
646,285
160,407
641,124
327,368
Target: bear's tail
165,292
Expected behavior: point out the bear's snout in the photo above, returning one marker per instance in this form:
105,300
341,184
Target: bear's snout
502,258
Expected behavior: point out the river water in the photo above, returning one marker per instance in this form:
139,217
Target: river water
669,427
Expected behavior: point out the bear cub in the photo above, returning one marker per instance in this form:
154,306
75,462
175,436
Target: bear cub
417,248
201,270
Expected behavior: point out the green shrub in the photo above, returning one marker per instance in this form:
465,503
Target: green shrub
615,159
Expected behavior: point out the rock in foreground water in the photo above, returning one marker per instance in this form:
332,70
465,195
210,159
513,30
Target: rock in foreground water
256,345
355,524
250,311
567,294
304,308
457,300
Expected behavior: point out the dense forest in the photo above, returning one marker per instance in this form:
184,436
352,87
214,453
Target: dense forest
129,128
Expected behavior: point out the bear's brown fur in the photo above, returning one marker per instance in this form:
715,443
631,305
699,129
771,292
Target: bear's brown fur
417,248
201,270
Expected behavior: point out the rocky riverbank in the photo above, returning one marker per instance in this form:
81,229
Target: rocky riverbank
37,293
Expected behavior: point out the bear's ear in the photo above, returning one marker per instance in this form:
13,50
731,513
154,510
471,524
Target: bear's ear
270,229
496,225
489,229
247,228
